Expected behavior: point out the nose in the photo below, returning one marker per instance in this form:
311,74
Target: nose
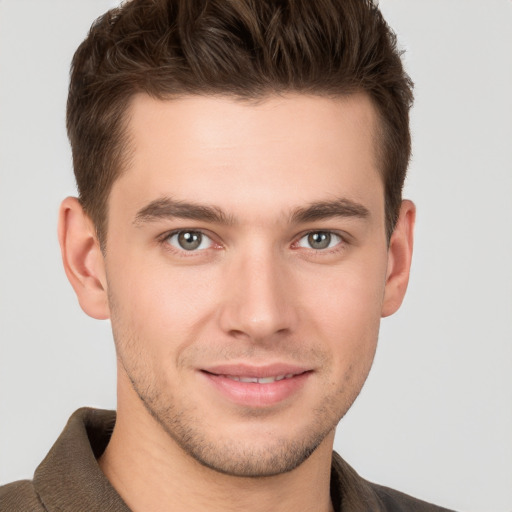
258,303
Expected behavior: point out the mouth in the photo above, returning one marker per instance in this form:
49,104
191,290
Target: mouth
260,380
259,387
256,380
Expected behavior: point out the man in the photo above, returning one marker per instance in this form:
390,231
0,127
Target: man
240,222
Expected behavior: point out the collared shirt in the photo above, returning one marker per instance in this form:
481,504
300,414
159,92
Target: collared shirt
70,480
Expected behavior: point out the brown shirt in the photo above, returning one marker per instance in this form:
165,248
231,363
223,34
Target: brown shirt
70,480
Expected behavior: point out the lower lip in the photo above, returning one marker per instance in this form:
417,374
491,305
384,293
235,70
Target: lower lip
254,394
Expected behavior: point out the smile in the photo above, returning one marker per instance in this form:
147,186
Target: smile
260,380
257,387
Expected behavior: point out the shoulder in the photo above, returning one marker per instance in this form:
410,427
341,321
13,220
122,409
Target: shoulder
400,502
357,494
20,496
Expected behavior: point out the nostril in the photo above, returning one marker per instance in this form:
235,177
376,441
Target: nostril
237,334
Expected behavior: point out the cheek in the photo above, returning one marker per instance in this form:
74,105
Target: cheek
348,315
164,307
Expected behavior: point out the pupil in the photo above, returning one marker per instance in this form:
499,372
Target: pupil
189,240
319,240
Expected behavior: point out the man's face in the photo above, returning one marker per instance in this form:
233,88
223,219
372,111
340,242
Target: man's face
246,266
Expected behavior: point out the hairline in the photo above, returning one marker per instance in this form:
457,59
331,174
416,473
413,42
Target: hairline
126,146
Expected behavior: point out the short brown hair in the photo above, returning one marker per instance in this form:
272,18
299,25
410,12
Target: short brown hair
245,48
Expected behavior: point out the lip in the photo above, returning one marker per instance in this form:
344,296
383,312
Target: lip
225,380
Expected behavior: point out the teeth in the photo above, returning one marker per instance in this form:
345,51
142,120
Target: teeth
247,379
260,380
267,380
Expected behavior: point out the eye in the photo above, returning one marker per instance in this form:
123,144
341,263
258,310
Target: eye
319,240
188,240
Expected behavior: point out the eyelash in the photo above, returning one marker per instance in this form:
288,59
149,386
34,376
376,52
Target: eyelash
164,240
326,250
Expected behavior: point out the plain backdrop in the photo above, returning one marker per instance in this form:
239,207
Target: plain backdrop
435,417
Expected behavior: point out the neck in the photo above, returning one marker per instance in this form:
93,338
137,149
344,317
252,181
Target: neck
151,472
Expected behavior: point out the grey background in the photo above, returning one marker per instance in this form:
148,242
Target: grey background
435,417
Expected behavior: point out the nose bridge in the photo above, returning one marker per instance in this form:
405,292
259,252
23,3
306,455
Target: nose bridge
258,302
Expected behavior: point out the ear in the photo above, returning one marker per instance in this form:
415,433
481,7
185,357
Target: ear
82,258
399,259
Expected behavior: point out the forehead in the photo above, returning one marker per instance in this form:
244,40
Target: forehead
279,152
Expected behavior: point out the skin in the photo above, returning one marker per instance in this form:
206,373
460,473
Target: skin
258,182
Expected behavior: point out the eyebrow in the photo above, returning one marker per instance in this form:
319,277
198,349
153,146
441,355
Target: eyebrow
166,207
340,207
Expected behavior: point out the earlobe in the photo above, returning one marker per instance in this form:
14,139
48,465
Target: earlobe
82,258
399,259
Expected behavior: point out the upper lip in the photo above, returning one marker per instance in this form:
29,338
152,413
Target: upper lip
247,370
